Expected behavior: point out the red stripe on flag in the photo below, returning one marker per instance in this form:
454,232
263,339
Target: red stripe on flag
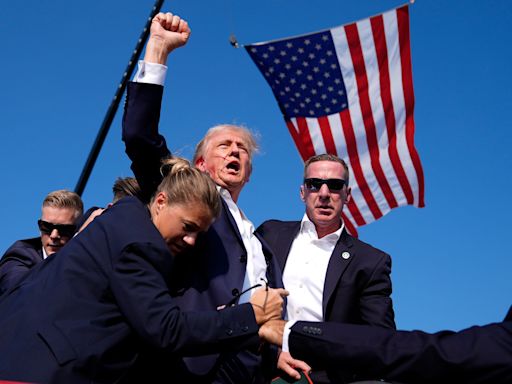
364,101
353,155
356,213
325,128
302,139
381,48
405,56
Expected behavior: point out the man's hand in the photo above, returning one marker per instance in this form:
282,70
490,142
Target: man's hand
289,365
272,332
168,32
267,304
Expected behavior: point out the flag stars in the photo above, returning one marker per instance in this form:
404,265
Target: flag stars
303,73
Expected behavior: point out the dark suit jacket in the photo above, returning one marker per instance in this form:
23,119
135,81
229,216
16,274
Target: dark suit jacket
18,260
357,289
84,316
215,273
477,355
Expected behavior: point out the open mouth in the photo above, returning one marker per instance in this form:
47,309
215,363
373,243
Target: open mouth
233,166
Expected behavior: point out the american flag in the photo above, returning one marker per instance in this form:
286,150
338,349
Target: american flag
348,91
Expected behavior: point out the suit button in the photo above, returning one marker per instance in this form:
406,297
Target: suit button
245,328
243,259
229,332
235,292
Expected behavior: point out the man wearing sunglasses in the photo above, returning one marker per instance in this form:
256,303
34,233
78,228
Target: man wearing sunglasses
60,211
331,276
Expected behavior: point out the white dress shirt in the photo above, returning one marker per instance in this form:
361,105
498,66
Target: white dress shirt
305,270
256,265
304,274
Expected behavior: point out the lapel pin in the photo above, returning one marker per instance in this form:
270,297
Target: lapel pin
345,255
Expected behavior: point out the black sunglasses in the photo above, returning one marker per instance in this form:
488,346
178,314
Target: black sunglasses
65,230
314,184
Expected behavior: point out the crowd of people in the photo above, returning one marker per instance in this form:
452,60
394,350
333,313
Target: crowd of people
171,282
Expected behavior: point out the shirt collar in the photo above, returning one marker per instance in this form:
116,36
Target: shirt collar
307,227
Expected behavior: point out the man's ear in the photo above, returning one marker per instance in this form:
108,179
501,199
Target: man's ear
302,193
200,164
348,197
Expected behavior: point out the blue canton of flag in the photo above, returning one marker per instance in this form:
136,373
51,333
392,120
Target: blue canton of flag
304,74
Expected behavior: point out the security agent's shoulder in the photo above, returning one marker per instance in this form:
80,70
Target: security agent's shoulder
272,225
26,249
364,249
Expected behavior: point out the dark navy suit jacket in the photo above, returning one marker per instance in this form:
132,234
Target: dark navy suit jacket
18,260
477,355
85,315
215,273
357,287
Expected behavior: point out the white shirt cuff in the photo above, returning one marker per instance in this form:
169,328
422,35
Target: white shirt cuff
286,334
151,73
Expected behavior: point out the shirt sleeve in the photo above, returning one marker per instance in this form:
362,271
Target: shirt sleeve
286,334
150,73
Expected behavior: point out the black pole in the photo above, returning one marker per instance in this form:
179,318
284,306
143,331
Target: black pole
111,112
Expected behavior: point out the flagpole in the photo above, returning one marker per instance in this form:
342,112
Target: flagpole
111,112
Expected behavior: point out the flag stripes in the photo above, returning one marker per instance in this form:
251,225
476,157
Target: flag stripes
355,100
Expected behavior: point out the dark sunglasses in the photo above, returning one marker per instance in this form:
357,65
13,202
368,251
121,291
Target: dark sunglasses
314,184
65,230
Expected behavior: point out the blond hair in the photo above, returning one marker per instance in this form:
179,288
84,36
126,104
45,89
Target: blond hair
185,184
65,199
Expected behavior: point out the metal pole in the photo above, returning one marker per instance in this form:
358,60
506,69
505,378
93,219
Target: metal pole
111,112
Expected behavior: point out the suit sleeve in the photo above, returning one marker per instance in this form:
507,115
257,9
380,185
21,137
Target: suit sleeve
375,301
143,144
474,355
142,294
13,266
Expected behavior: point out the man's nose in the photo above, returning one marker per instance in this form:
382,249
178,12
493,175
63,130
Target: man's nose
233,149
190,239
324,191
54,234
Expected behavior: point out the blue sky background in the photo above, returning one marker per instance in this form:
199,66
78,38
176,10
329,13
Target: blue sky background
61,62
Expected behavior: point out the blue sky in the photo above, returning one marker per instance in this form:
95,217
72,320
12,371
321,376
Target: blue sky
61,63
